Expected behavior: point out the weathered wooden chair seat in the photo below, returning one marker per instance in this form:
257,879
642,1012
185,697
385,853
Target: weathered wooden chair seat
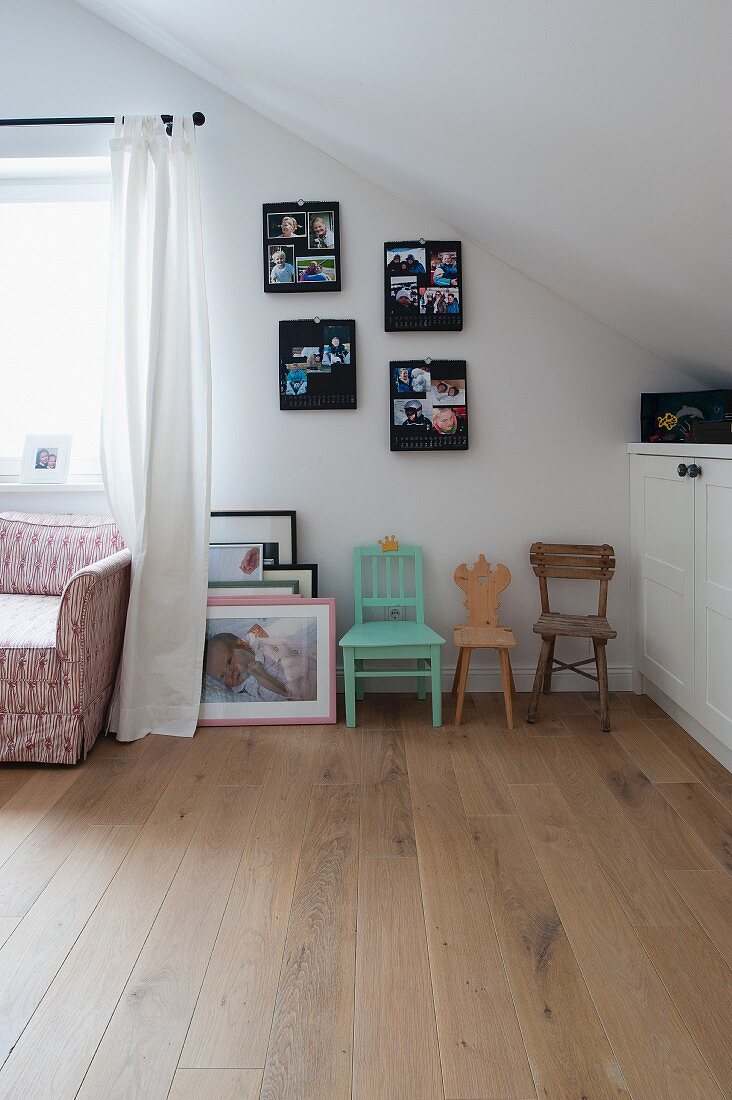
555,624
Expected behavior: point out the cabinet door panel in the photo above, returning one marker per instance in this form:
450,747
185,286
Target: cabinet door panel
663,575
713,613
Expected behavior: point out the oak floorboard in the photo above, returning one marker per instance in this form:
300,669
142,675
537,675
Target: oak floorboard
7,927
477,766
567,1046
310,1047
252,756
705,768
395,1040
657,1056
231,1024
33,955
30,804
643,890
387,826
700,983
709,896
642,705
12,778
672,842
216,1084
707,817
650,752
565,702
516,750
380,711
339,758
139,1052
475,1012
548,722
53,1053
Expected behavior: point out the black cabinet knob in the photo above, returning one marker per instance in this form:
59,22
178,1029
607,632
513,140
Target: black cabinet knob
682,469
694,470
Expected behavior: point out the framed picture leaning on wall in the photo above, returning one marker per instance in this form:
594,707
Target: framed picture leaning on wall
301,247
277,531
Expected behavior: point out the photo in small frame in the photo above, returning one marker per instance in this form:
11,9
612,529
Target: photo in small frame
242,561
423,286
45,459
428,407
317,365
301,247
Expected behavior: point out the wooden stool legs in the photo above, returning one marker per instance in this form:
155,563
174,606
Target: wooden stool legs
601,662
460,681
544,673
547,645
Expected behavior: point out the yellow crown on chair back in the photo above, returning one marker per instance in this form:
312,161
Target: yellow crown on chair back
389,542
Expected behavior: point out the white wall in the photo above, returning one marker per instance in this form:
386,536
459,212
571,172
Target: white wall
553,394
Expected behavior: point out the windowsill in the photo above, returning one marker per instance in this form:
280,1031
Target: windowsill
81,486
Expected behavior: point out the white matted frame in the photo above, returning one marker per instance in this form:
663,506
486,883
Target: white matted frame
277,530
53,469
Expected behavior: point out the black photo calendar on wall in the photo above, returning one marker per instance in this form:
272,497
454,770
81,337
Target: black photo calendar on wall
428,405
301,247
423,286
317,364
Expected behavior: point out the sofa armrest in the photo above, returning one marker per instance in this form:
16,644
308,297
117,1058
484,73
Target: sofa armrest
91,617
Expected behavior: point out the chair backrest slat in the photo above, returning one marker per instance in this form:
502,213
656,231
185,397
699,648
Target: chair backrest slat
389,590
570,561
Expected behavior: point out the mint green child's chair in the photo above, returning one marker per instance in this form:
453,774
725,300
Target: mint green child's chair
392,580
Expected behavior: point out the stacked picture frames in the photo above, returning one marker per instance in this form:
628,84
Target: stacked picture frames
317,368
301,247
428,405
255,553
423,286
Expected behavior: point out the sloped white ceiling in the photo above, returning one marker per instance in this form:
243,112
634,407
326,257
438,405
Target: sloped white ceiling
585,142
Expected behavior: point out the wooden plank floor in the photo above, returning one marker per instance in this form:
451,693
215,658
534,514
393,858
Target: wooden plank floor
387,913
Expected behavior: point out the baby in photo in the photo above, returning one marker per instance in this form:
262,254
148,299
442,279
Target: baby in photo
232,661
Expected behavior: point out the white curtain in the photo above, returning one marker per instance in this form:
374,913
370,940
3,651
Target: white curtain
156,421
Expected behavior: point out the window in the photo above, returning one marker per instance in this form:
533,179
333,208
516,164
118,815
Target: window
54,229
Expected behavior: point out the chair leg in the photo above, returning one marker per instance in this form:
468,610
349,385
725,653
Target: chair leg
359,683
506,679
510,674
436,668
601,662
549,669
422,680
456,677
464,665
349,684
540,669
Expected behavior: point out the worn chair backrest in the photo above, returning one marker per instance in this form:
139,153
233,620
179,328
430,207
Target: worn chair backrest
573,561
482,587
391,579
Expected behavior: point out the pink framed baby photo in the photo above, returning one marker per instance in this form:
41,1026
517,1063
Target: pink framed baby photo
268,661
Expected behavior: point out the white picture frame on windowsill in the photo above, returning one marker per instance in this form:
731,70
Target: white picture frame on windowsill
45,459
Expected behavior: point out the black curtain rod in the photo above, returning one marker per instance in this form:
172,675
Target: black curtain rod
97,120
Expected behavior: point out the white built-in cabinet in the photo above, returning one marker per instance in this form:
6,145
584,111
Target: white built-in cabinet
681,586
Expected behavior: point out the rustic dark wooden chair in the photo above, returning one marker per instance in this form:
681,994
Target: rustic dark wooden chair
572,562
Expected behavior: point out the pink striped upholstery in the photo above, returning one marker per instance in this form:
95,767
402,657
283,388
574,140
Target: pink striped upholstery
38,553
59,652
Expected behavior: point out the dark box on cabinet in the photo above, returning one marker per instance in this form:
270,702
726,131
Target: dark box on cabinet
671,417
712,431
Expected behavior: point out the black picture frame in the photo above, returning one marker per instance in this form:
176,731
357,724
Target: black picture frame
436,392
419,276
304,249
277,550
317,364
272,572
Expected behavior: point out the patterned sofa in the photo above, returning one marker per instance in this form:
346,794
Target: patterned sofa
64,587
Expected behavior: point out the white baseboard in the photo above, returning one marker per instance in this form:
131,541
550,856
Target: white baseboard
620,678
720,751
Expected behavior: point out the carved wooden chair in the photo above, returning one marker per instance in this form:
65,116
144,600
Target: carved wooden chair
482,587
572,562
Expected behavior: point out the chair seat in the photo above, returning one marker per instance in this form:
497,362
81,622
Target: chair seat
484,637
391,634
554,624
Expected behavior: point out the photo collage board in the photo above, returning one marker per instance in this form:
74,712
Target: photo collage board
423,286
301,247
317,368
428,405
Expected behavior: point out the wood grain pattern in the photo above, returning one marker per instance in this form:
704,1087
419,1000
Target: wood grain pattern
477,767
700,983
139,1052
253,754
53,1053
387,826
668,838
474,1009
702,764
216,1084
642,705
650,752
516,750
12,778
339,760
310,1047
30,804
395,1039
231,1023
656,1054
567,1046
381,711
7,927
706,815
709,896
642,888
